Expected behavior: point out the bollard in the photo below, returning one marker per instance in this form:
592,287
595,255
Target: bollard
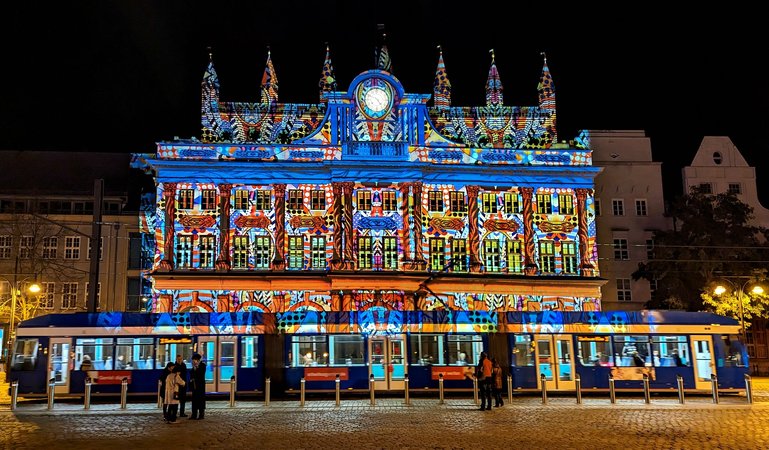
301,392
406,393
475,390
714,387
749,389
14,394
543,382
440,388
647,392
160,399
612,393
578,385
338,382
51,392
510,389
87,397
267,385
124,393
371,389
232,392
680,381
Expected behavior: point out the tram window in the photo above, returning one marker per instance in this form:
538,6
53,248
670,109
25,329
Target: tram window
731,349
309,351
346,350
134,354
169,348
249,351
631,351
25,354
426,349
595,351
98,350
523,352
670,351
464,350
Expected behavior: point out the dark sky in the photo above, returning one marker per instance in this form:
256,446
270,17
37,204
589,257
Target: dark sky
120,76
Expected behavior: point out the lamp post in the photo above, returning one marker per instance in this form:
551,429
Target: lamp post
757,289
15,293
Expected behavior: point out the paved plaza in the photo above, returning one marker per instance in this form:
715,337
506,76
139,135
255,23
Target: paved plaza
390,424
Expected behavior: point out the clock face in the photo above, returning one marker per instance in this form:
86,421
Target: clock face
375,98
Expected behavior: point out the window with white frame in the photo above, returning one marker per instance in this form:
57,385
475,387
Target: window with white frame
457,203
621,251
69,295
241,199
569,256
491,254
46,296
184,251
72,247
706,188
640,207
101,248
295,252
734,188
318,252
514,256
6,244
459,255
98,294
618,207
240,252
50,245
623,290
364,253
390,249
547,256
262,247
437,254
512,202
318,200
207,251
26,245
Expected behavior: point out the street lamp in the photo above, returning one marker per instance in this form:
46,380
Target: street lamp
15,293
757,290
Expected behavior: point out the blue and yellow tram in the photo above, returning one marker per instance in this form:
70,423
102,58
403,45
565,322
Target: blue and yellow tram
245,348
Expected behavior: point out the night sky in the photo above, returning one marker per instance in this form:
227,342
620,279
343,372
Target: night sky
120,76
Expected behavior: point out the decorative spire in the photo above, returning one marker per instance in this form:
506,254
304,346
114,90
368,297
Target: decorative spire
493,84
327,80
382,55
546,91
442,85
209,105
269,82
210,78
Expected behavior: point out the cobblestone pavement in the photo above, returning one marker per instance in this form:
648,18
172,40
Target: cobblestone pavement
561,424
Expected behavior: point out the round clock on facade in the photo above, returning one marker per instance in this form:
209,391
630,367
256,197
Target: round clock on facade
375,98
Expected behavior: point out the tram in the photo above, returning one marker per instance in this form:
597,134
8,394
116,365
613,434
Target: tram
246,347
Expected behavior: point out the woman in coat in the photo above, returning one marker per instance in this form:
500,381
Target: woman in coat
171,394
496,373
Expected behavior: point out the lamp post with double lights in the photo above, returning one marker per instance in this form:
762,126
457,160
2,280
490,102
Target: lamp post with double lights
16,292
739,291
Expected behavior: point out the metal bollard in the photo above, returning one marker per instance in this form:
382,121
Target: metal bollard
406,393
749,389
301,392
371,389
647,392
612,392
475,390
440,388
267,386
714,387
578,385
510,389
124,393
87,397
543,382
338,382
160,399
232,392
14,394
680,382
51,392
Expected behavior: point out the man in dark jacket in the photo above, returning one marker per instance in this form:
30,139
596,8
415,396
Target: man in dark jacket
198,382
182,369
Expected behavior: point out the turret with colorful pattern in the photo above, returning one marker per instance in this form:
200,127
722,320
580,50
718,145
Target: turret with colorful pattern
269,82
546,91
442,85
494,85
209,107
327,81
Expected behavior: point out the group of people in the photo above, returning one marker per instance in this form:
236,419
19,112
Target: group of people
489,375
174,383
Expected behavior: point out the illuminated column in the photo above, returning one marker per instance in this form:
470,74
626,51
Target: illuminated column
336,258
419,255
586,268
279,263
223,261
529,266
349,253
406,232
169,196
472,223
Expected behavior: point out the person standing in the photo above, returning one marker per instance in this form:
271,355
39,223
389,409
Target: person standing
171,398
182,368
483,373
496,372
198,382
162,390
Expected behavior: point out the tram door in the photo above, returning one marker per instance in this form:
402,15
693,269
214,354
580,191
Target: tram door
704,366
555,359
58,364
387,358
220,355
